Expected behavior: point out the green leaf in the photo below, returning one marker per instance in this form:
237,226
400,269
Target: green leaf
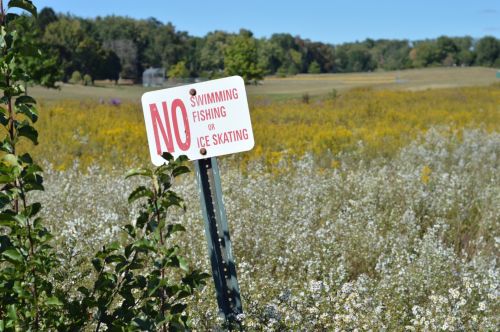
7,222
140,192
130,230
33,182
23,4
115,259
113,246
32,169
12,312
173,228
32,209
4,243
172,199
183,263
180,170
128,250
10,160
54,301
11,17
167,156
139,172
136,266
142,219
13,255
5,199
25,100
7,219
144,245
6,145
28,110
182,159
4,119
29,132
9,174
26,158
83,290
178,308
97,263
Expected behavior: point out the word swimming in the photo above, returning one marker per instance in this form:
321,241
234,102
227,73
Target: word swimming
214,97
209,114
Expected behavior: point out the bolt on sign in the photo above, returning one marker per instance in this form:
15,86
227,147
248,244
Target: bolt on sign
200,120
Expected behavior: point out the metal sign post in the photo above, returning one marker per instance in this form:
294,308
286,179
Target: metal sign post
218,240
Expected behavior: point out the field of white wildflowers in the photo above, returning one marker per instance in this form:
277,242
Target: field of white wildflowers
406,243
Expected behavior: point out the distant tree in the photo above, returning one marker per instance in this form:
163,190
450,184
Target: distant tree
360,59
128,53
314,68
273,58
426,54
140,44
179,70
341,59
212,52
465,56
240,57
323,54
110,66
294,61
283,54
391,54
64,35
447,50
488,51
45,17
168,45
89,57
122,35
79,50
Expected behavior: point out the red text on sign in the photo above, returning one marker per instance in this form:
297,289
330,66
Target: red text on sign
164,127
214,97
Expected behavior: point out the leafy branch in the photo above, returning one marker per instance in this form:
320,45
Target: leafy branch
142,284
139,285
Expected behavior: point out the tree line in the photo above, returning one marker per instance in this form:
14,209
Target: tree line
116,47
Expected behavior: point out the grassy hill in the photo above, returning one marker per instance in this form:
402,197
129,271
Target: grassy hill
296,86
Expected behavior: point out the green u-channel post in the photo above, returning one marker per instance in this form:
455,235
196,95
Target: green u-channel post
218,239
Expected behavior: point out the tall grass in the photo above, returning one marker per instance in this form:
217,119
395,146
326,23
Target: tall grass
405,243
397,229
378,123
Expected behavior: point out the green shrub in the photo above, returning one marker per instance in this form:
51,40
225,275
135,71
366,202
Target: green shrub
87,80
139,282
76,77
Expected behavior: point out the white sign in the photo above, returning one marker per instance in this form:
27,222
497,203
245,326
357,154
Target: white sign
200,120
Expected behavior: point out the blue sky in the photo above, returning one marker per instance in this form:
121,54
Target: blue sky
319,20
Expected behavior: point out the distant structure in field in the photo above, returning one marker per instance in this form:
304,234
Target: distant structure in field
153,77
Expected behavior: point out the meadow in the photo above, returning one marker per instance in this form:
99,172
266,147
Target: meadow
278,88
375,208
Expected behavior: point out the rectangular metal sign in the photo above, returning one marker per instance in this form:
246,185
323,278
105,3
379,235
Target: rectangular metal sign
201,120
